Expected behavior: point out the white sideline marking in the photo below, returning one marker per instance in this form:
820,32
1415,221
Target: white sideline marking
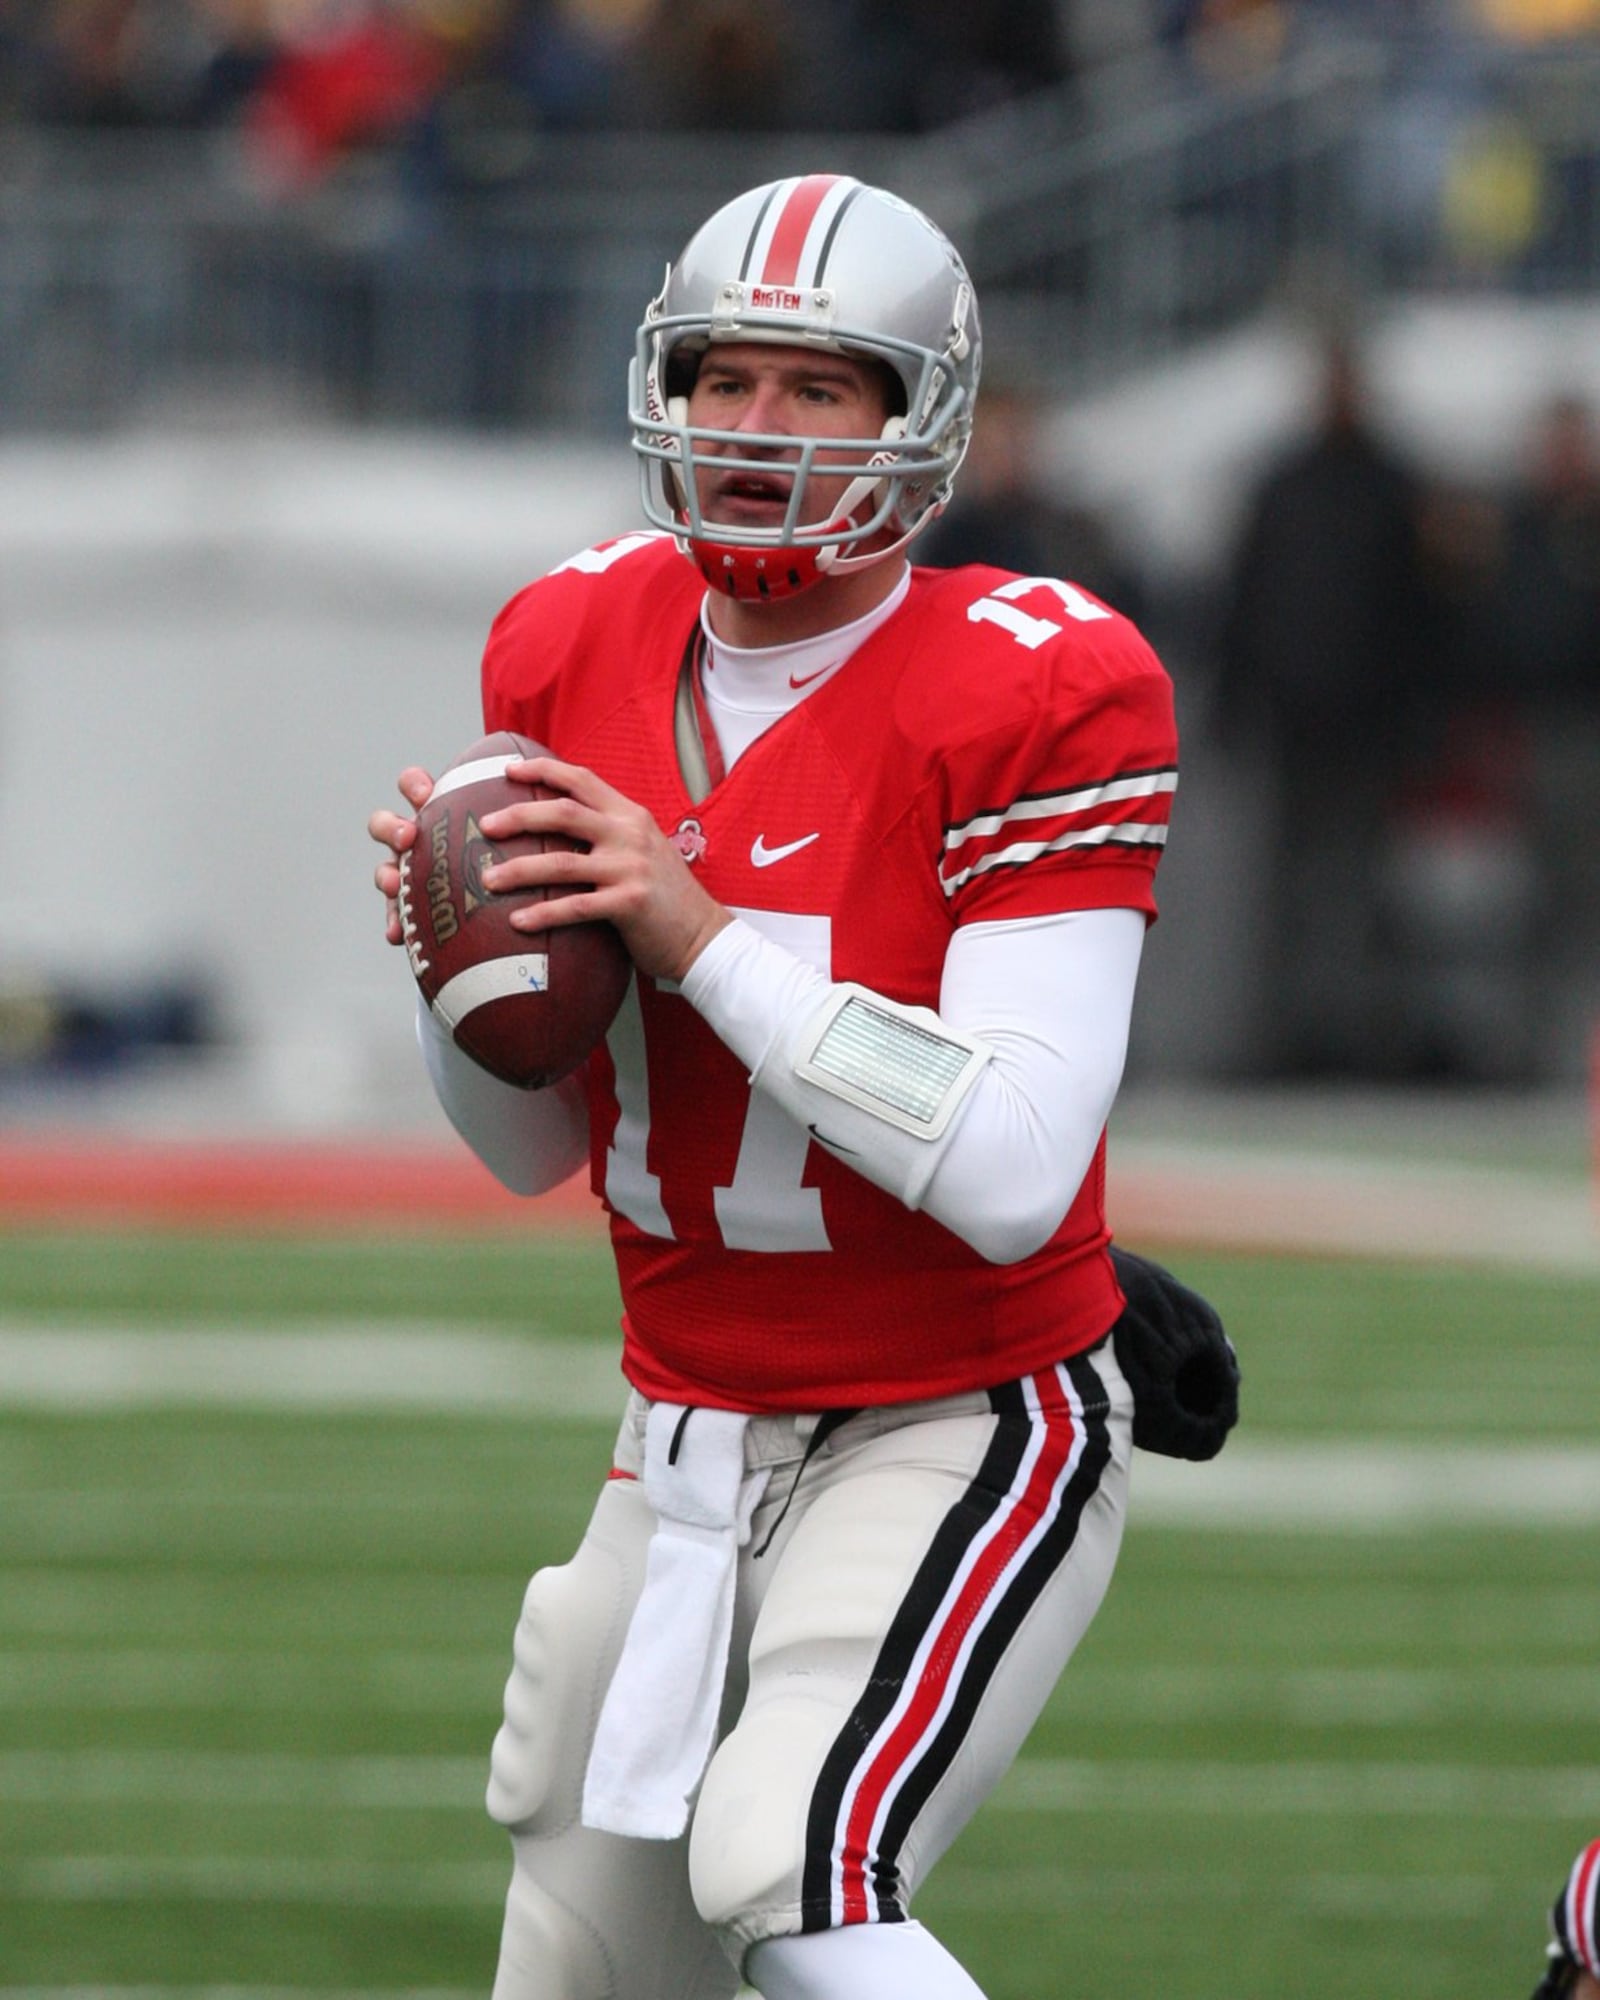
1053,1887
1350,1486
229,1878
1389,1790
159,1679
1358,1485
243,1778
1392,1788
339,1366
184,1679
179,1679
1321,1204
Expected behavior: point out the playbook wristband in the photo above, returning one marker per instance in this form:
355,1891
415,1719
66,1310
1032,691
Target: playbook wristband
875,1082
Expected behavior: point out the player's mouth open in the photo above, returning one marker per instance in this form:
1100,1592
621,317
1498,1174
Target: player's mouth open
753,490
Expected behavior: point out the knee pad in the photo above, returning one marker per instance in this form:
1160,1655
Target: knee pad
535,1765
549,1950
566,1642
747,1842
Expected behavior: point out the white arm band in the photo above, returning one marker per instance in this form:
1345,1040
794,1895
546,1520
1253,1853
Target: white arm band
986,1114
531,1140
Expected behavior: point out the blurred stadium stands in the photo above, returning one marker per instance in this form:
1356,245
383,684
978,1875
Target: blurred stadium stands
313,328
1109,221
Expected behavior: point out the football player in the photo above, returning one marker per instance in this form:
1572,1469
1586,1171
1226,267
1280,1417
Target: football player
1573,1969
881,841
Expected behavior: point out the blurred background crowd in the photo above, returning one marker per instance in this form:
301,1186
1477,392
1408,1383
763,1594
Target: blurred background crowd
314,78
1291,356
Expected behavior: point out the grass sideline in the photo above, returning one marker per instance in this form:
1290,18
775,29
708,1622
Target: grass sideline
250,1660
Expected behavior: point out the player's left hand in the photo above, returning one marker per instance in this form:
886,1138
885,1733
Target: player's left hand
631,875
396,832
1179,1362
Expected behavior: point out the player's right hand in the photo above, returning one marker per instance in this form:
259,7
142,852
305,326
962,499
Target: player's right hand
396,832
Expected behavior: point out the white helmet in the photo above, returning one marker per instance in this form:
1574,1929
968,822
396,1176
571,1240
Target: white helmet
815,261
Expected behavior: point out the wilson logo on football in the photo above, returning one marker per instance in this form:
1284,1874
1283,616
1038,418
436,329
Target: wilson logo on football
477,854
528,1006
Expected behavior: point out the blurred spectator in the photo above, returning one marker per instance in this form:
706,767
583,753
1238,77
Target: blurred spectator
119,64
1230,42
1488,887
1537,20
1553,563
337,73
346,79
1550,643
1318,649
725,65
516,69
1005,513
1095,32
957,58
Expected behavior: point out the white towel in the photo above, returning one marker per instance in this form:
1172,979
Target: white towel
659,1721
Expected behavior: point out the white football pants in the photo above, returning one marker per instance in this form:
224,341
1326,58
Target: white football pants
908,1598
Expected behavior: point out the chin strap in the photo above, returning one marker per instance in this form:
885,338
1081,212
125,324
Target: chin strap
755,573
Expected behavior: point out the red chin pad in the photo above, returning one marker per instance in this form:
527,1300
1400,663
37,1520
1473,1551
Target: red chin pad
757,575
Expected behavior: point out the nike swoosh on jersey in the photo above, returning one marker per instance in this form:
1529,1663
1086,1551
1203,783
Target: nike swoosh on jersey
762,856
805,680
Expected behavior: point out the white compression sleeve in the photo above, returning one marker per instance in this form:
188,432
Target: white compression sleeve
1050,1000
888,1961
531,1140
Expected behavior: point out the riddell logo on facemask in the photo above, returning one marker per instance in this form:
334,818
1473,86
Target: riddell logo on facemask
774,298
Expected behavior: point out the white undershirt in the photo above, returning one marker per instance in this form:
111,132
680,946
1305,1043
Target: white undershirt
1051,997
747,688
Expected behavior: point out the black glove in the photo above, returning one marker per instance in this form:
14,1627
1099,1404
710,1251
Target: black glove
1179,1363
1574,1917
1561,1975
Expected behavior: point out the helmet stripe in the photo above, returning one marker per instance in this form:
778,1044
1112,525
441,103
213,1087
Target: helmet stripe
833,230
756,228
794,226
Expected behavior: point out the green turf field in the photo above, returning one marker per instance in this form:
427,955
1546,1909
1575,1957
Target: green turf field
251,1655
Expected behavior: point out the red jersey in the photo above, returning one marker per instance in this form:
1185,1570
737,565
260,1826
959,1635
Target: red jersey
1001,747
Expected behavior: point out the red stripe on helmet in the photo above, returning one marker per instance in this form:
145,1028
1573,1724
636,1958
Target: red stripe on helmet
793,227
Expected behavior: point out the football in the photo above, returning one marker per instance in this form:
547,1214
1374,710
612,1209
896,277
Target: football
528,1006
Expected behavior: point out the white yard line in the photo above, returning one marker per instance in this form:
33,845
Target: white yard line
1265,1198
1354,1485
243,1778
336,1366
185,1680
253,1780
1350,1485
242,1878
1283,1789
1294,1788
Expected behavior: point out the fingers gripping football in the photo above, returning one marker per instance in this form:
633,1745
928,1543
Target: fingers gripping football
396,832
611,863
528,1002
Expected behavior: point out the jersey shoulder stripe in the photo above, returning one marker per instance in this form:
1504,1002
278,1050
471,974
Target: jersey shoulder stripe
1129,810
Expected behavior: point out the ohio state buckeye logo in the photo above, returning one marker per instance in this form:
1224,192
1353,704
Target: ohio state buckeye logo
689,838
